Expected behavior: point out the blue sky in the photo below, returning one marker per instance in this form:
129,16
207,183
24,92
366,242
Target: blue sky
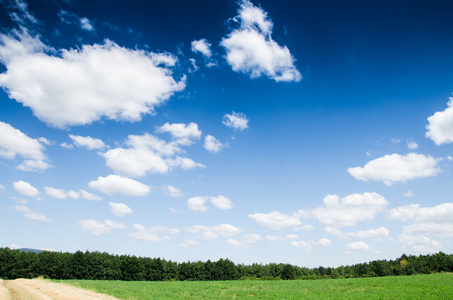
303,132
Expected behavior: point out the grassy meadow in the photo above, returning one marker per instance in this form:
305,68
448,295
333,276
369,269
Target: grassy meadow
433,286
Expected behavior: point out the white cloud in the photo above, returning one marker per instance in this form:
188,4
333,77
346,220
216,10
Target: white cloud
251,49
45,141
119,209
412,145
397,168
246,241
173,191
184,134
14,142
350,210
98,228
440,127
305,228
358,246
67,146
25,188
236,121
85,24
427,221
89,196
419,243
274,238
149,154
377,234
222,202
87,142
212,144
30,214
22,16
114,184
202,46
184,163
60,193
83,85
275,220
197,203
71,18
404,213
302,244
188,243
409,194
309,245
324,242
213,232
2,187
152,233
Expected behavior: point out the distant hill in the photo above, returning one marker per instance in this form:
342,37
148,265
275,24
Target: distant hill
30,250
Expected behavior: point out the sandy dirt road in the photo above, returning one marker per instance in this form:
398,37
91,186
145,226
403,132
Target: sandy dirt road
38,289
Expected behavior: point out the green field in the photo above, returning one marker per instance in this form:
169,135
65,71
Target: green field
434,286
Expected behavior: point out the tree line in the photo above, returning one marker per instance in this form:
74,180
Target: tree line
103,266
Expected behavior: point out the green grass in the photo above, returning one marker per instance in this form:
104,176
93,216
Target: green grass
435,286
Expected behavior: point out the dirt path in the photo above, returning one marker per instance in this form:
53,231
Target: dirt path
38,289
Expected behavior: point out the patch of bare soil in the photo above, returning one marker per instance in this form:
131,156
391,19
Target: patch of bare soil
38,289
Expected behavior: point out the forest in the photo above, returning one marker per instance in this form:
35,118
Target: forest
103,266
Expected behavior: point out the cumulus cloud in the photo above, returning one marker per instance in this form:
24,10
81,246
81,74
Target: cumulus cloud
305,228
14,143
197,204
60,193
114,184
412,145
25,188
274,238
173,191
350,210
71,18
419,243
409,194
236,121
212,144
308,245
377,234
20,14
30,214
440,127
250,48
397,168
87,142
188,243
246,241
98,227
275,220
404,213
427,222
149,154
89,196
214,232
119,209
202,46
152,233
358,246
222,202
184,134
80,86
